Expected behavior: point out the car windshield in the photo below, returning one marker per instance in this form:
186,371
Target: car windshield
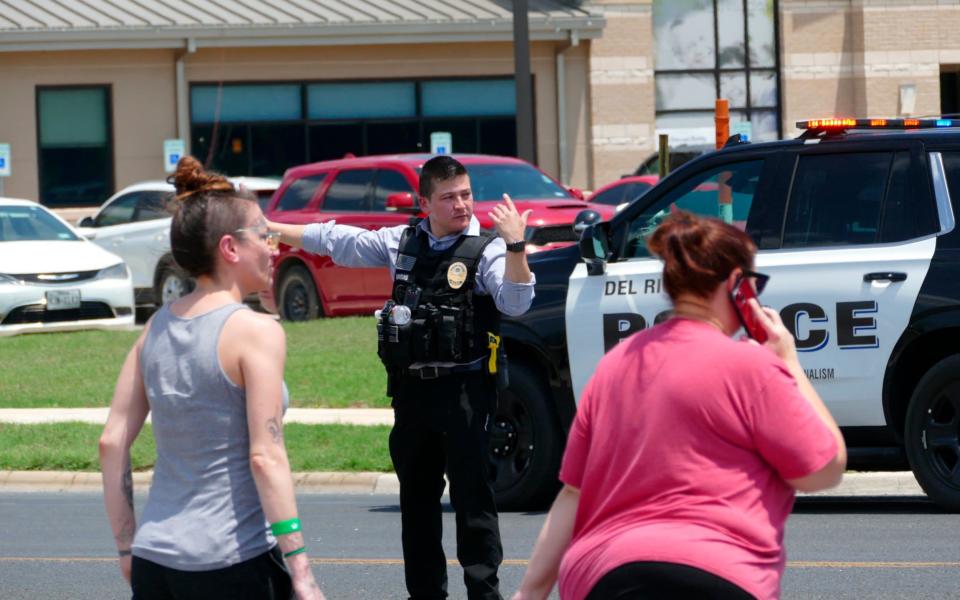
489,182
31,223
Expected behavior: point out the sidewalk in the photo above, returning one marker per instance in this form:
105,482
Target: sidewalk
309,416
855,484
888,486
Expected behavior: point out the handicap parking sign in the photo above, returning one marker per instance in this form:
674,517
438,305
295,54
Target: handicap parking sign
172,151
5,160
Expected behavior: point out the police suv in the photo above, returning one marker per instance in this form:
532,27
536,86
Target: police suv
855,225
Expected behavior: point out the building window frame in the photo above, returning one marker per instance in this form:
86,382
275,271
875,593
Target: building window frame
422,121
110,142
717,71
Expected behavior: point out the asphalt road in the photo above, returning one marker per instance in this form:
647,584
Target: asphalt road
59,546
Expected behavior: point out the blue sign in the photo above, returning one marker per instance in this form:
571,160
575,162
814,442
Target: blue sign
5,160
172,151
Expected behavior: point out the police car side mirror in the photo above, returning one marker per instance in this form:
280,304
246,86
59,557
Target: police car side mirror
594,249
86,222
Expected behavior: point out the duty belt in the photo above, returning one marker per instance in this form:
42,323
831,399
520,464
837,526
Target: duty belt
433,372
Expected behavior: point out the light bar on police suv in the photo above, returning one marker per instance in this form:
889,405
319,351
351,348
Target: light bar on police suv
842,124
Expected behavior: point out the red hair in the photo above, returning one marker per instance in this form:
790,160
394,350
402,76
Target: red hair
699,253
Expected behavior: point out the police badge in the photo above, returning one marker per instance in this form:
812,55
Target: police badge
456,275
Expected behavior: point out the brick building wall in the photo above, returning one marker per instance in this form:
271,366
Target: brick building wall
622,108
851,57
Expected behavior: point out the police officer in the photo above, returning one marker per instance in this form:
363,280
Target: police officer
439,340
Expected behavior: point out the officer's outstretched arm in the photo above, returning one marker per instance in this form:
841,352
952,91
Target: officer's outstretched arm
291,235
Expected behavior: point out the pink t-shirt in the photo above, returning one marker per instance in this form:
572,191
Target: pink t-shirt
680,448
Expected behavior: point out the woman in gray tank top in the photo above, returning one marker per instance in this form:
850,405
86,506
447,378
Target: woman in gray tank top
221,518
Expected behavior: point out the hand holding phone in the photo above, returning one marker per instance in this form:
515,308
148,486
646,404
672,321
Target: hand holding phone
741,295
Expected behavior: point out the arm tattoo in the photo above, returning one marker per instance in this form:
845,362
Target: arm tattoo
275,429
128,484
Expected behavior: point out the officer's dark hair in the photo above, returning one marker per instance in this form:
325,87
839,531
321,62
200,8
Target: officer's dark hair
699,253
206,207
439,168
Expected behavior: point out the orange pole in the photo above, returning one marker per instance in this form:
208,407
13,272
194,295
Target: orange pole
724,192
722,121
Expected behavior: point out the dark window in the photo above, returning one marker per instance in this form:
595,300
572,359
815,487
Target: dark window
299,193
223,147
389,182
498,137
725,193
393,138
119,212
153,205
349,192
909,211
263,129
836,199
951,165
329,142
75,148
274,148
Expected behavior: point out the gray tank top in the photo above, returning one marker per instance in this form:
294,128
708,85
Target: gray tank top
203,511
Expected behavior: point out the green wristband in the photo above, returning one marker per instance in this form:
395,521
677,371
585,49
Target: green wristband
285,527
297,551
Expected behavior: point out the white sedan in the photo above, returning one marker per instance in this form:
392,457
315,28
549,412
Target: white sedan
51,279
134,224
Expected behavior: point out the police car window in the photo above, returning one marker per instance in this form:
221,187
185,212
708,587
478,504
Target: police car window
909,210
298,194
389,182
724,193
153,205
836,199
951,166
119,212
349,191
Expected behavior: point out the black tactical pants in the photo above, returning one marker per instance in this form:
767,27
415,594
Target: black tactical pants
442,425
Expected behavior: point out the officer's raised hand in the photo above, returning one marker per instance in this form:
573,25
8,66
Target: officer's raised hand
509,222
511,226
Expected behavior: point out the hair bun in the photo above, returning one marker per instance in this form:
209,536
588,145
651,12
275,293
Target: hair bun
190,177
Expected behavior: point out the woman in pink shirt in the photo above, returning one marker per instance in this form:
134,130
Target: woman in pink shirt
688,445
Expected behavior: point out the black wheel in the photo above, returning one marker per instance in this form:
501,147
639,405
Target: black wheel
297,297
171,283
526,444
932,433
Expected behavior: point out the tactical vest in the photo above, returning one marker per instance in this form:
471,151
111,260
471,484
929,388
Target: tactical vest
447,320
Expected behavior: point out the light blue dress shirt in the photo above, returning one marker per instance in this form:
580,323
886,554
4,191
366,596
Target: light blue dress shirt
350,246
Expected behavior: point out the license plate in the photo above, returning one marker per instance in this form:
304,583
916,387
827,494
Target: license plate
63,299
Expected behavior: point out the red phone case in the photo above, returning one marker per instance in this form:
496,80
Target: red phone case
741,295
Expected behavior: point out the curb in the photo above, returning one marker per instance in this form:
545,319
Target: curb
854,485
307,416
310,482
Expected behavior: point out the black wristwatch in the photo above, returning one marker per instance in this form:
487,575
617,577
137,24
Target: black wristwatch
517,246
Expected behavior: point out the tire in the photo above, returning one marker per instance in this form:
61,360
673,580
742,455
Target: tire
297,296
526,444
171,283
932,433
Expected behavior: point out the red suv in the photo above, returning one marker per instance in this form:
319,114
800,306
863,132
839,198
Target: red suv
380,191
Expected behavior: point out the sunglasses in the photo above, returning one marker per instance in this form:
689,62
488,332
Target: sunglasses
759,280
271,238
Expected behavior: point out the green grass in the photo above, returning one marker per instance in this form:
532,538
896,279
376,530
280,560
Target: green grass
330,363
73,447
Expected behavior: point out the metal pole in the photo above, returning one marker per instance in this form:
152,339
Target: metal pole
521,62
663,156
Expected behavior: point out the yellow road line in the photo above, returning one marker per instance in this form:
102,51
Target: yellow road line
517,562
